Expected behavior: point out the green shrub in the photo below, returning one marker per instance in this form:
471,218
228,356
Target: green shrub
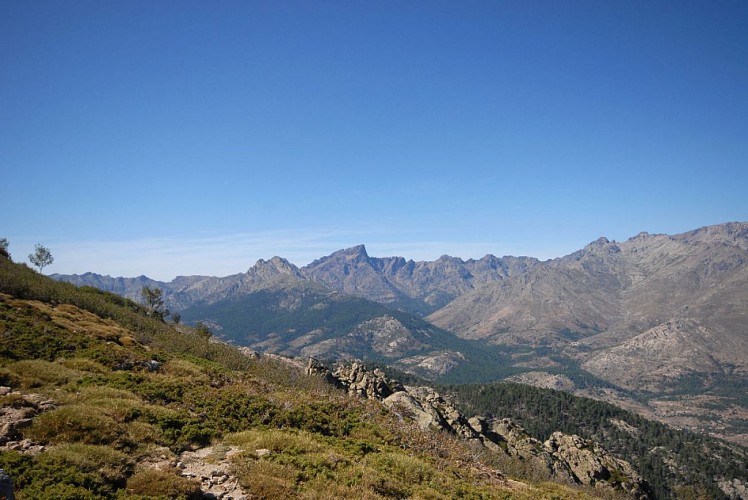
275,440
160,389
79,424
36,373
185,370
83,365
103,392
116,357
265,480
112,465
156,483
49,476
410,470
28,333
231,408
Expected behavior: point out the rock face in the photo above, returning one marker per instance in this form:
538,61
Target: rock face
429,409
592,464
516,442
567,458
356,379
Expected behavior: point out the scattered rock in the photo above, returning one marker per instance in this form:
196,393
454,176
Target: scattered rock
211,466
250,353
17,414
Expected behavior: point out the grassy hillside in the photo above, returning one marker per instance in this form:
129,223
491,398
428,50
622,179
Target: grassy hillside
105,402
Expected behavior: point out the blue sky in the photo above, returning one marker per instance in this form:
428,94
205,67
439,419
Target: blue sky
165,138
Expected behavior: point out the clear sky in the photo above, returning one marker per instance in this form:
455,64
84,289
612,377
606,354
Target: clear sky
195,137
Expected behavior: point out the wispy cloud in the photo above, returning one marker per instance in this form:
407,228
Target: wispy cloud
217,255
224,254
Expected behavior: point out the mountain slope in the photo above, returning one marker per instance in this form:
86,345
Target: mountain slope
664,316
297,317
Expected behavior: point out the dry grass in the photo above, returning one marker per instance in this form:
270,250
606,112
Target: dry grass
275,440
112,465
33,373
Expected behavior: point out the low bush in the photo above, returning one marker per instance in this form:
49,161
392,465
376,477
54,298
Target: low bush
163,484
112,465
409,469
31,373
80,423
265,480
51,476
83,365
276,441
184,370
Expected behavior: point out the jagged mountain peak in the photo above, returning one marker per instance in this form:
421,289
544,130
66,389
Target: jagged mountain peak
731,233
276,265
643,235
359,249
354,253
602,240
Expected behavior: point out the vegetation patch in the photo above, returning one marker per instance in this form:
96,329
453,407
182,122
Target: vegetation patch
163,484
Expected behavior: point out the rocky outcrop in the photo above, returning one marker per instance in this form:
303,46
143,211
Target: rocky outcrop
567,458
429,410
504,435
356,379
734,488
593,465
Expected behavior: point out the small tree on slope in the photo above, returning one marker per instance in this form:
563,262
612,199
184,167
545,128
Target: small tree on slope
41,257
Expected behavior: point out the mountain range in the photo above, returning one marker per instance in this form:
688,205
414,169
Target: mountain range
656,323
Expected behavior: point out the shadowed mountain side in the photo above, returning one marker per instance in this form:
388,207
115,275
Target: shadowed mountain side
302,318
